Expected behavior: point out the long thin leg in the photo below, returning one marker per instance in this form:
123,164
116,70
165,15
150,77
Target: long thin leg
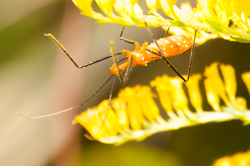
71,108
127,73
170,65
116,63
110,97
191,57
153,38
161,53
126,40
167,61
166,34
66,52
130,41
189,65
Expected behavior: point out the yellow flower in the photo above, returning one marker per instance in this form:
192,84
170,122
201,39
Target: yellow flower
229,19
85,7
134,114
246,79
238,159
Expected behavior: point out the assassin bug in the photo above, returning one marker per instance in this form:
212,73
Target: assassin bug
141,56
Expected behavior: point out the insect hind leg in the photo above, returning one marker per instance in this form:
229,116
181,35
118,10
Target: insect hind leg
107,111
167,61
191,57
170,65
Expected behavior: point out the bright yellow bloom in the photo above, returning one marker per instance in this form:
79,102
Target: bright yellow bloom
238,159
216,82
229,19
194,92
134,114
246,79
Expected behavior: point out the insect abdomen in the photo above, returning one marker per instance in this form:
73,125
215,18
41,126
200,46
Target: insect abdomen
173,45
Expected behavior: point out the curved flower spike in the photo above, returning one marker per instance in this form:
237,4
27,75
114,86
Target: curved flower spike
134,114
229,19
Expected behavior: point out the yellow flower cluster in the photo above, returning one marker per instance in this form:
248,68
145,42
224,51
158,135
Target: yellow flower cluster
134,115
229,19
238,159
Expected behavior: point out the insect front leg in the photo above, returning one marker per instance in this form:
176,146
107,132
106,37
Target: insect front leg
129,68
166,34
127,40
116,63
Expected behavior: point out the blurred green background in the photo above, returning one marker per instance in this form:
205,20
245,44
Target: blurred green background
36,78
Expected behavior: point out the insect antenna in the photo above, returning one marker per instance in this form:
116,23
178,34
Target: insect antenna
68,109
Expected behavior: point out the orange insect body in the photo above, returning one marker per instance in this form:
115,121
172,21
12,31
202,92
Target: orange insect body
170,46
